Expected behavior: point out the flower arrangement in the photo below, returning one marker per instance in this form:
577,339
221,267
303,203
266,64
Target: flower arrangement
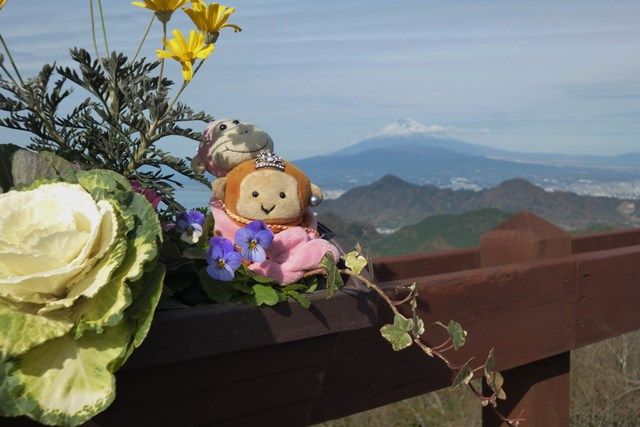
92,238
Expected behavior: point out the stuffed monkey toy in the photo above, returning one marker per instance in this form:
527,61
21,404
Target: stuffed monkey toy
278,193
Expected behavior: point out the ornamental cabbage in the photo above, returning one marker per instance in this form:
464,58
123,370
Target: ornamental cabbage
79,282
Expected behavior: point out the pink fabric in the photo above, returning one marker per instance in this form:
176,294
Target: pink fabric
293,253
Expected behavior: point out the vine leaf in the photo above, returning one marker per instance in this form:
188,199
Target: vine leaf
465,375
494,378
458,335
418,323
355,261
398,333
334,280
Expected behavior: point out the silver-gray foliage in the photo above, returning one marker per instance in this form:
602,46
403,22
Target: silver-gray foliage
117,126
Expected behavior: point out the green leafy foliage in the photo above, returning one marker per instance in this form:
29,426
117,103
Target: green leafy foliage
116,126
494,378
253,289
464,376
355,261
458,335
397,333
334,280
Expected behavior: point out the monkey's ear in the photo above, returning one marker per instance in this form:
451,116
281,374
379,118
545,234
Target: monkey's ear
218,187
198,165
316,195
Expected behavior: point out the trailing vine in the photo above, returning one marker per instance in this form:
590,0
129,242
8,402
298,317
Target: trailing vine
407,331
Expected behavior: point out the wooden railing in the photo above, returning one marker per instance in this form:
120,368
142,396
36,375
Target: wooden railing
530,291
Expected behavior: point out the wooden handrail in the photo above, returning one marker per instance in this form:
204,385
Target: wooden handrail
238,365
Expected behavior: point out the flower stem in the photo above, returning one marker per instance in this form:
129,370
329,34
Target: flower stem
13,64
184,86
144,38
162,60
104,28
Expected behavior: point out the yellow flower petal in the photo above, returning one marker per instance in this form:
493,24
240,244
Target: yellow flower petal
161,5
187,71
210,18
186,51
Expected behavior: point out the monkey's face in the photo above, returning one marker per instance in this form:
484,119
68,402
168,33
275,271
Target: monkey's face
269,195
227,143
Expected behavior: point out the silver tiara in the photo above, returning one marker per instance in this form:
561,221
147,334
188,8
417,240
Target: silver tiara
267,159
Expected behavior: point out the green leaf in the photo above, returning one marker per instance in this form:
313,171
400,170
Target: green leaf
65,381
501,394
418,327
458,335
262,279
216,290
397,333
142,309
355,261
195,252
22,328
265,294
302,299
465,375
489,365
334,280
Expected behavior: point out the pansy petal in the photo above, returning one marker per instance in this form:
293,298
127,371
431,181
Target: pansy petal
220,273
265,238
256,226
256,254
233,260
243,237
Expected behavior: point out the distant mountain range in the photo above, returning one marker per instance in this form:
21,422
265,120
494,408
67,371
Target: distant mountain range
391,203
414,153
433,233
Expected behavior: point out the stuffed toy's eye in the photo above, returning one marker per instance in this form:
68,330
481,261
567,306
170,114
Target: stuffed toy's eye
255,194
282,195
235,122
222,127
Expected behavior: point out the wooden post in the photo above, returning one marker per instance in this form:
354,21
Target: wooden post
538,391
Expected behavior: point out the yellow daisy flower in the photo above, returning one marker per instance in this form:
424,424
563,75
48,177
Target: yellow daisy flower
2,3
211,18
186,52
162,8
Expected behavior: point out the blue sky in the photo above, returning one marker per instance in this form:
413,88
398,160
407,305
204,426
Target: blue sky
554,76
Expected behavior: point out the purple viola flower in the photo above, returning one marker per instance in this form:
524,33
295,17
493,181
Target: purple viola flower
253,239
190,223
223,259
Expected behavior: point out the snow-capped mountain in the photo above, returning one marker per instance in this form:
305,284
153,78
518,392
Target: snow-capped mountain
408,126
427,155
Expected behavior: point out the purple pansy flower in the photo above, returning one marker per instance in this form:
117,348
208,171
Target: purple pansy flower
190,223
223,259
253,239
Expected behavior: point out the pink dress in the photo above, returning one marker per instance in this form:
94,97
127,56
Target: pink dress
293,253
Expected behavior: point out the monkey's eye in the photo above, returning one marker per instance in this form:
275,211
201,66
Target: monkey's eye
235,122
255,194
222,127
282,195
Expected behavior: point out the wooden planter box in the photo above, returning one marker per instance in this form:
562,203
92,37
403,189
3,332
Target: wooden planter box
235,364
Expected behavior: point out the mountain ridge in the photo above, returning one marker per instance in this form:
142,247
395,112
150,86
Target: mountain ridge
391,202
